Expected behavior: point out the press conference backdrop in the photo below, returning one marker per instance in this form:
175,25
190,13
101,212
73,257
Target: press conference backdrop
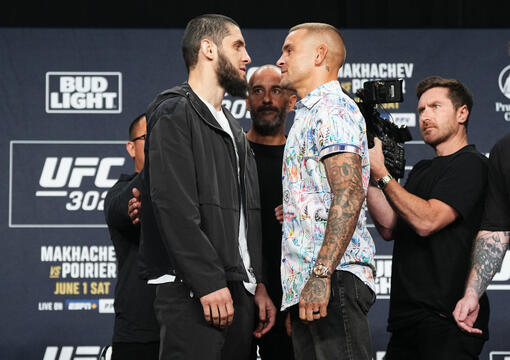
67,98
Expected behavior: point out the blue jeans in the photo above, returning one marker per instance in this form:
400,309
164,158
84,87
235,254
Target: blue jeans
342,335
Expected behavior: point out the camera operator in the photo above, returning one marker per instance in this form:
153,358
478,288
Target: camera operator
433,220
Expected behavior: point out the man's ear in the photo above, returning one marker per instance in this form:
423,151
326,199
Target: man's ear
247,104
208,49
462,114
130,147
291,103
320,54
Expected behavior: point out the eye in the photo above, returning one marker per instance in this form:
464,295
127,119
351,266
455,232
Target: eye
258,91
436,106
277,91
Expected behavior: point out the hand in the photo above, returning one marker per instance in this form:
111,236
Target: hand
218,307
288,326
134,207
314,299
466,312
377,167
278,213
267,311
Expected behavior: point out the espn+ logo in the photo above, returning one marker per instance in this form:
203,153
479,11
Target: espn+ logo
69,173
83,92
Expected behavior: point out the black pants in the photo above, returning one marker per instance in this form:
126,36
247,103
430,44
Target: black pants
135,351
184,333
434,337
276,344
342,335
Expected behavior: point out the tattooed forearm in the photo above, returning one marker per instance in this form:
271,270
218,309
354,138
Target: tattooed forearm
490,249
344,176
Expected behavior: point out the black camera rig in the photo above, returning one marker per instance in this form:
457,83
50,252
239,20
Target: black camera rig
391,135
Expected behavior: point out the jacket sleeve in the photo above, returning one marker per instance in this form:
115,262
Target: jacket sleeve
116,202
174,196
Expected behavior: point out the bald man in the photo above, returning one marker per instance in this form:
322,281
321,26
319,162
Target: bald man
327,252
269,105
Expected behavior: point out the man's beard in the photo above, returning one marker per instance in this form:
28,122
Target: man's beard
268,128
229,78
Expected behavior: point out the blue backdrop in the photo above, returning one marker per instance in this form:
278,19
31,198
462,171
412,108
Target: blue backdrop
67,98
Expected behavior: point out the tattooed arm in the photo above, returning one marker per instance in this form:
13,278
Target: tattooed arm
488,253
344,176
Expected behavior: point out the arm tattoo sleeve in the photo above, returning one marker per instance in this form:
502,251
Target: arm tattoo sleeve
490,249
344,176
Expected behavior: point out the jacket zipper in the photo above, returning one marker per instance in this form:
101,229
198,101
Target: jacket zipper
244,173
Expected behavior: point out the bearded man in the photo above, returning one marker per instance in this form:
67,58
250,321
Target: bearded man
269,104
201,233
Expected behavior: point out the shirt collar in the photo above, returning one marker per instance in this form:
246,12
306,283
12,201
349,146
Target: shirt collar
318,93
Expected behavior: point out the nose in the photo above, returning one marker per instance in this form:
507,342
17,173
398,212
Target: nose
246,57
280,61
267,97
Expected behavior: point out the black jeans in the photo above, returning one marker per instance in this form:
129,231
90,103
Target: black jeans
184,333
276,344
434,337
135,351
342,335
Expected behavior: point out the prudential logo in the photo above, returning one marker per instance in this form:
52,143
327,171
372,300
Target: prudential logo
504,81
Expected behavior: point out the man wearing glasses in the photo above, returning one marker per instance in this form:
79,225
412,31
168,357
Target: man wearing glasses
136,332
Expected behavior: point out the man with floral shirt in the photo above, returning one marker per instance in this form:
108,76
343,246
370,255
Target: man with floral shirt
327,252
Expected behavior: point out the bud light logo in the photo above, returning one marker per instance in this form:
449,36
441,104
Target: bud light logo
63,183
84,92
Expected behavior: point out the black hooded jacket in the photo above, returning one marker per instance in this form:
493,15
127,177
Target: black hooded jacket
191,197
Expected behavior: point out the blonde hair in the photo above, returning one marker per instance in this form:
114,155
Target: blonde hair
334,39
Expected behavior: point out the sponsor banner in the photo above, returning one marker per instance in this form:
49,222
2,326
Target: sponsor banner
73,352
106,306
81,304
62,183
499,355
501,280
383,276
79,271
503,107
83,92
379,355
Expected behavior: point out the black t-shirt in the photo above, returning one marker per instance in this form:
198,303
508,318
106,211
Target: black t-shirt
135,321
497,203
269,160
429,273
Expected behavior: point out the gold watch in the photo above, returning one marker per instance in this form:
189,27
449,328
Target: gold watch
382,182
321,271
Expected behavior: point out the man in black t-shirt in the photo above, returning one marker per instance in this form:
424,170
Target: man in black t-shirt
433,220
492,241
269,105
136,331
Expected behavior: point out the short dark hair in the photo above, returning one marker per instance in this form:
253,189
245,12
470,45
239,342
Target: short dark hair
212,26
133,124
458,93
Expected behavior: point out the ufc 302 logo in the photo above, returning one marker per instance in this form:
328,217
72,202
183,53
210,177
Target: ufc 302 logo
63,183
68,173
76,353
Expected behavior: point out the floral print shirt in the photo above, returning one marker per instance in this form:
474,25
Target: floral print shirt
327,121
